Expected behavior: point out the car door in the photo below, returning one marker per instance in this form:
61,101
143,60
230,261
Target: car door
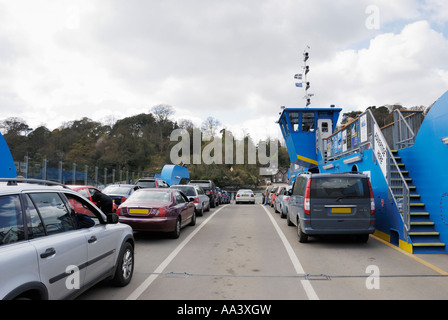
295,207
61,247
181,204
101,241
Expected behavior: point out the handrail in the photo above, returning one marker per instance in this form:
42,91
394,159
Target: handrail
404,135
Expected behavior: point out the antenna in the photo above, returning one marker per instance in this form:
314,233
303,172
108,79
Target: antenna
303,76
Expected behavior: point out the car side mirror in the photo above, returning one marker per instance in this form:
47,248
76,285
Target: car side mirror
112,218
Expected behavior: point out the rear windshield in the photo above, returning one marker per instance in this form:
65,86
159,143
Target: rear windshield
339,187
189,191
124,191
204,184
146,184
142,195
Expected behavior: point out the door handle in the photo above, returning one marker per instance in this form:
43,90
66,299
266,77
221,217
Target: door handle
92,239
49,252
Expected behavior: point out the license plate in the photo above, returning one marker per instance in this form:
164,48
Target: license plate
341,210
138,211
245,195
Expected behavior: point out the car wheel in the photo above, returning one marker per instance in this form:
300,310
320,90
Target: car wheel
275,209
193,219
303,238
288,221
201,211
125,266
282,214
176,232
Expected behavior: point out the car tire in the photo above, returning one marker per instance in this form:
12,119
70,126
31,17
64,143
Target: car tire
201,211
363,238
193,219
288,221
282,214
176,232
125,266
303,237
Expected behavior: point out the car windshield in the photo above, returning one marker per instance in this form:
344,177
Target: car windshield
147,184
245,191
142,195
189,191
339,187
119,190
202,184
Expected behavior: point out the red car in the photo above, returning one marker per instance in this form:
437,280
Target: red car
88,192
163,210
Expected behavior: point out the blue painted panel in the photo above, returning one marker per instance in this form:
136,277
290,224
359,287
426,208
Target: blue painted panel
173,174
7,167
427,163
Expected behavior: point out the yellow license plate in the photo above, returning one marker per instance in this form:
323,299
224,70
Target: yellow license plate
245,195
341,210
139,211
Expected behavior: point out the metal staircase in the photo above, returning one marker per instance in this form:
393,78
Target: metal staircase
424,237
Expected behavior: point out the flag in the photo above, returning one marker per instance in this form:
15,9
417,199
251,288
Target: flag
299,84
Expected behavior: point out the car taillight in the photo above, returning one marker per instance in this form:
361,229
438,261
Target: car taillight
160,212
238,195
118,211
286,198
123,200
372,200
196,200
306,200
252,195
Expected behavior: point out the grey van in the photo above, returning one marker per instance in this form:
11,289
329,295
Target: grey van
332,203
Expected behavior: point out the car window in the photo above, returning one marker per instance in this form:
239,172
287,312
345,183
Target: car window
11,223
200,190
299,186
344,187
179,197
36,227
147,184
82,207
189,191
55,215
84,192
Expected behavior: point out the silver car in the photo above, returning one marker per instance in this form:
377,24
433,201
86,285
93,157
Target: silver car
281,201
200,199
49,250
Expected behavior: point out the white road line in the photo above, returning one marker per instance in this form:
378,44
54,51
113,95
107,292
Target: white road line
295,261
145,284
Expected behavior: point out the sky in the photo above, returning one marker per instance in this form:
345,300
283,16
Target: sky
234,60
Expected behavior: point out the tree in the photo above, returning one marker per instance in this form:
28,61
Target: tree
210,126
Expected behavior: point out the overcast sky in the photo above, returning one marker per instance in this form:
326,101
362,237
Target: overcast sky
234,60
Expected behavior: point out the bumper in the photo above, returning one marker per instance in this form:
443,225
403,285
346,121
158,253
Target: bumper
245,199
309,230
150,224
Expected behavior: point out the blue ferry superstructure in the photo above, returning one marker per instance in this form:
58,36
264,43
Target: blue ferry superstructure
406,161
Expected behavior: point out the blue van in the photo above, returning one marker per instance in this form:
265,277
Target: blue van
332,203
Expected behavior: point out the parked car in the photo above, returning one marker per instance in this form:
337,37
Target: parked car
152,183
245,195
164,210
281,201
200,199
274,193
210,190
326,203
225,196
90,193
46,249
119,192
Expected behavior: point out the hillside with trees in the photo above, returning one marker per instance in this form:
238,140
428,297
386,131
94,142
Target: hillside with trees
132,147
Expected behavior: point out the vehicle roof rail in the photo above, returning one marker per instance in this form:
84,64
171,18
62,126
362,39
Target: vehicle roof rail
14,181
